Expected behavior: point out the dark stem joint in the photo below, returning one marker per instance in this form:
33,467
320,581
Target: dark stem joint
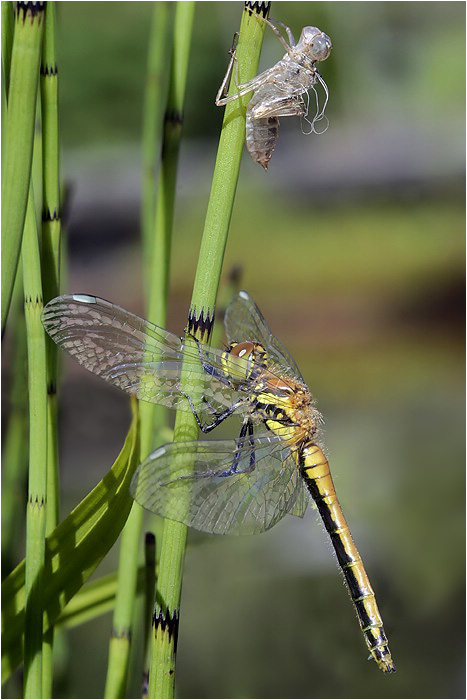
33,9
47,215
122,634
37,301
200,325
38,501
174,117
165,621
49,71
259,8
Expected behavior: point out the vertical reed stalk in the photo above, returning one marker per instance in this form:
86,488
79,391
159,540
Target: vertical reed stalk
8,29
164,222
119,648
50,279
20,119
160,45
37,486
166,616
156,255
149,592
159,243
15,442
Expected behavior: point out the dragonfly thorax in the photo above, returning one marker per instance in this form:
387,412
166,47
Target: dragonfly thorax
287,408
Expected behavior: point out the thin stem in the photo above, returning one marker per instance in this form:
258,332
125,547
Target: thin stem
50,278
149,591
156,257
163,227
37,487
155,98
73,550
15,443
8,29
24,74
119,649
166,616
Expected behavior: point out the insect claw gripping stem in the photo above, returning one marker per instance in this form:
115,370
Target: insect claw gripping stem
234,44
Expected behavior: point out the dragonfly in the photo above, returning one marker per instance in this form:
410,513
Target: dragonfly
231,486
279,91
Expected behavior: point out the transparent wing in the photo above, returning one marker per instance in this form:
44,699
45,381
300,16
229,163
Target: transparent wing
135,355
244,321
193,483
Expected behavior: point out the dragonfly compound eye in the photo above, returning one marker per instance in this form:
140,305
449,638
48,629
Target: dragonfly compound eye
321,47
316,43
244,351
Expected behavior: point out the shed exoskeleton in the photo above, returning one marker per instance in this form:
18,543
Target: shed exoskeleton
280,91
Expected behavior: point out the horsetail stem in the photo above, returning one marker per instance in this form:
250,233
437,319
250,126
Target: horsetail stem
163,224
50,279
37,486
155,98
20,119
166,615
156,258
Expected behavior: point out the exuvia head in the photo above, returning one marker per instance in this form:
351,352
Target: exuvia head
315,43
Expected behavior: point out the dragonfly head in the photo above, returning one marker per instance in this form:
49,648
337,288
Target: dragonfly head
240,359
315,43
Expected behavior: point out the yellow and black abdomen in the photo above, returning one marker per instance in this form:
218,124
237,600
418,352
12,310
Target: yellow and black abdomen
316,473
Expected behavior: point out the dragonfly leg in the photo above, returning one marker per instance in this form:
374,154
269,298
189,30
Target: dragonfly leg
242,88
222,97
272,25
218,417
246,426
233,469
287,29
209,369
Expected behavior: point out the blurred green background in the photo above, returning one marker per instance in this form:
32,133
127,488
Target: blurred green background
353,245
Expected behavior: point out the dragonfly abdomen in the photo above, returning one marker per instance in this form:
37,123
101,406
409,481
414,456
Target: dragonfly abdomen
261,135
316,473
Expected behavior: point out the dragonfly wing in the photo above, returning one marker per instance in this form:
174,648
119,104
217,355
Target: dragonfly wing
244,321
193,483
303,498
134,354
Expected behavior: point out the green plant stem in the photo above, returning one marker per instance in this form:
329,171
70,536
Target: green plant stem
158,245
183,27
155,98
24,73
50,279
156,255
73,550
119,649
149,592
37,486
166,617
8,28
15,443
51,170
